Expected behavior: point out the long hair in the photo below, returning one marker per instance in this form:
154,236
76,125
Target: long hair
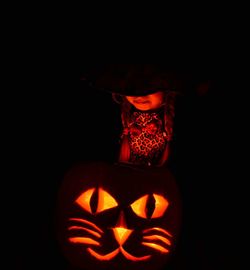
126,113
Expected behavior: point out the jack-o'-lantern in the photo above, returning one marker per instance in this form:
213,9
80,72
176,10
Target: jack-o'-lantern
118,217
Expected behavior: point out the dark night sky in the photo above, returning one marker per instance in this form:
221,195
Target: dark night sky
61,123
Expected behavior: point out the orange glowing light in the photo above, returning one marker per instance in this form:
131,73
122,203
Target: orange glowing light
86,222
159,230
133,258
156,246
83,240
105,201
84,199
112,254
106,257
121,234
161,204
139,206
84,229
158,237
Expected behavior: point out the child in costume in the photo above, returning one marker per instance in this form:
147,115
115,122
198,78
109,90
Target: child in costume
147,128
146,96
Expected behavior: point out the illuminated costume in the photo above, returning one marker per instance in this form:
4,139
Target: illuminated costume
146,134
147,138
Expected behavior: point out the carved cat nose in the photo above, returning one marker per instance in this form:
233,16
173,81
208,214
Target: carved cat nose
120,231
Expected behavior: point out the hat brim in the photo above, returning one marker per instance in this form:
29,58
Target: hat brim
135,80
133,92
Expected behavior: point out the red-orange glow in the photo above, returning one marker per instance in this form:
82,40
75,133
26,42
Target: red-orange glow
84,229
139,206
121,234
157,237
155,246
161,204
86,222
83,240
105,201
106,257
84,199
121,221
112,254
158,229
120,231
133,258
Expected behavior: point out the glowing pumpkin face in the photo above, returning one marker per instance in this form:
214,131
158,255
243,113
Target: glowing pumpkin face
117,217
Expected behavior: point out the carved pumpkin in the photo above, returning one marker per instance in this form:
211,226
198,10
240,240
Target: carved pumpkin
118,217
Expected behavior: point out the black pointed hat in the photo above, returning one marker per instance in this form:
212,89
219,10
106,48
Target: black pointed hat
134,79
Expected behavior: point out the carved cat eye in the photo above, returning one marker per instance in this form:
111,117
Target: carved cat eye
161,205
105,201
140,206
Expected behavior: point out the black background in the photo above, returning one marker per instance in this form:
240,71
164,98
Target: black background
58,122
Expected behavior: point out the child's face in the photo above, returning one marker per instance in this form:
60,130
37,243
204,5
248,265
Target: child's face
149,102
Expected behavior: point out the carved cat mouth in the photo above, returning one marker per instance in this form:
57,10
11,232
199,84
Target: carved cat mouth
155,238
113,254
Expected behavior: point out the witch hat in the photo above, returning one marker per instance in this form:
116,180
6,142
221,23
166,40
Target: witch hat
134,79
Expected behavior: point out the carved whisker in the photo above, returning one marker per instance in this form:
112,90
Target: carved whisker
158,229
86,222
157,237
156,246
85,229
83,240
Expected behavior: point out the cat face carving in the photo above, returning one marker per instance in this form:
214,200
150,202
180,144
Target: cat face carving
118,217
